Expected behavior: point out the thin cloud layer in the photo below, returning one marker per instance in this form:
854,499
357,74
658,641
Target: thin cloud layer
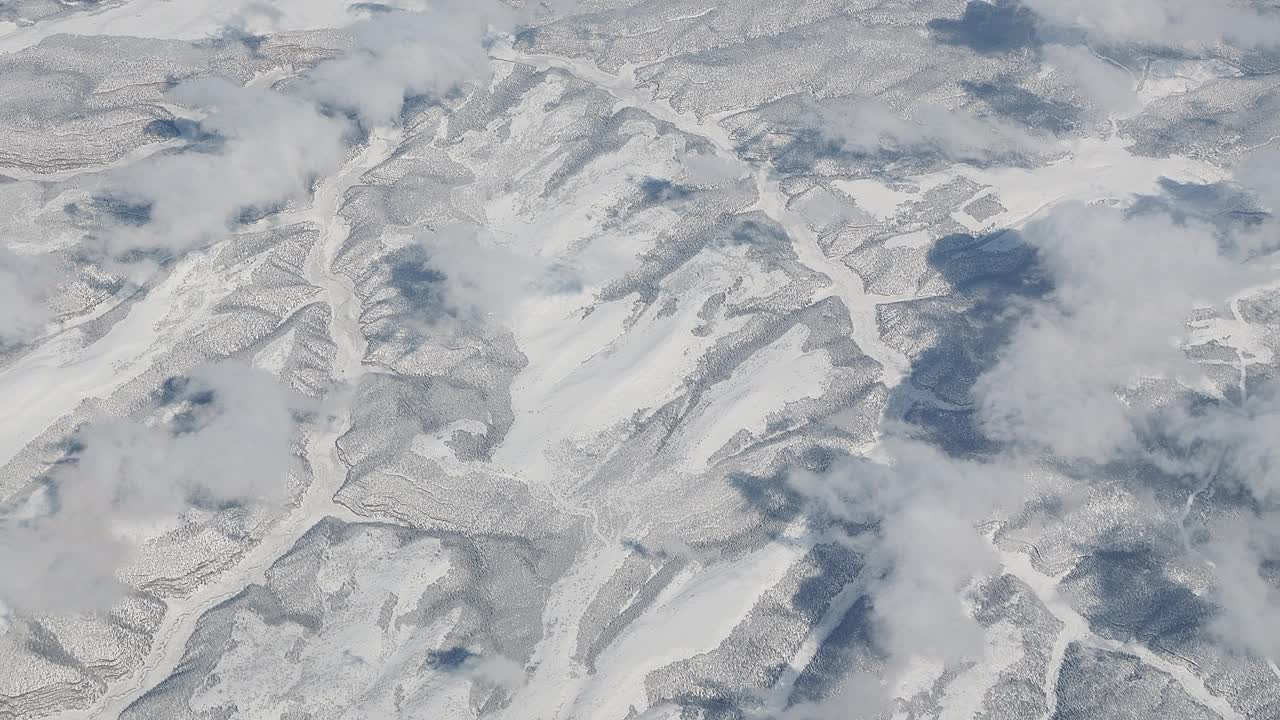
916,512
1123,285
1123,289
870,126
1250,602
708,169
1260,174
1109,88
479,277
261,149
1166,22
230,443
25,285
469,274
269,147
400,55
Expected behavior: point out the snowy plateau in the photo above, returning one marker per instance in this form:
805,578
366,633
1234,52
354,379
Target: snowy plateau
640,359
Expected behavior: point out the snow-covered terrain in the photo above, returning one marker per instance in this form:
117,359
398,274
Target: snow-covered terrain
639,359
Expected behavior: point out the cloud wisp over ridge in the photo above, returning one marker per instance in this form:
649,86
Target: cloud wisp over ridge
1169,23
232,440
225,438
274,144
870,126
1124,285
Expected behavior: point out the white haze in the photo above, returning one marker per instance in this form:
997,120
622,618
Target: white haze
63,551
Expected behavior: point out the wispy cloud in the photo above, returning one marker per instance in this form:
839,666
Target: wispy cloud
868,125
401,54
1123,289
226,437
269,148
1109,88
1166,22
26,282
915,512
1123,285
1260,174
263,148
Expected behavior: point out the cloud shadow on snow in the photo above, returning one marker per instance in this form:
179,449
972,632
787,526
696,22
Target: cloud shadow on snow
989,28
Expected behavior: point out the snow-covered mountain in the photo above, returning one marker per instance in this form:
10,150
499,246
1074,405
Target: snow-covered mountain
622,359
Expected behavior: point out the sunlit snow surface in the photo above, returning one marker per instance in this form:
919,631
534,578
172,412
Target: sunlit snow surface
569,344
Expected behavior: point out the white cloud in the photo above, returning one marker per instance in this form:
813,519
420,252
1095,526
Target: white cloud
1250,604
870,126
1165,22
925,546
402,54
496,671
1109,88
267,148
710,169
273,147
482,277
1260,173
1123,288
234,445
1241,438
25,284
